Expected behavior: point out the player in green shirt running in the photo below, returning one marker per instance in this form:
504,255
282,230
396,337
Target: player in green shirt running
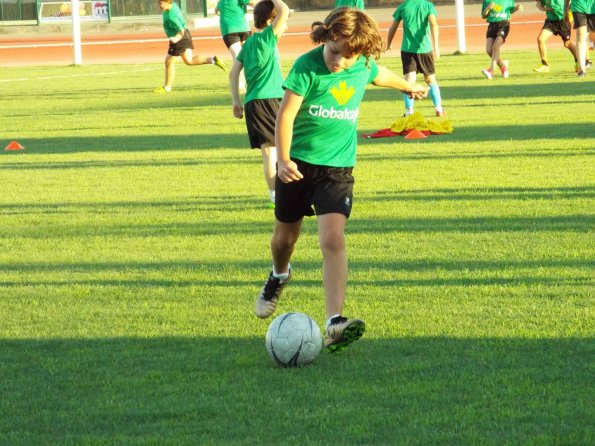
316,145
259,58
497,13
554,25
583,12
419,49
234,27
180,44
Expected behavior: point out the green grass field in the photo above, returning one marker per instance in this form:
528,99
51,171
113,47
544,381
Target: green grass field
134,236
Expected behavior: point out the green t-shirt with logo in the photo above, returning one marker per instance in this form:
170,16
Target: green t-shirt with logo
500,12
232,17
584,6
262,68
416,27
359,4
173,20
324,131
558,9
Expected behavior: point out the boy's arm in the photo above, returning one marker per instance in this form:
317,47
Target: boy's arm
542,7
387,78
391,34
280,21
287,170
485,12
434,33
234,82
517,7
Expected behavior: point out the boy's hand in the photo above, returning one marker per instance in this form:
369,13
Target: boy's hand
436,54
490,6
287,171
418,92
238,111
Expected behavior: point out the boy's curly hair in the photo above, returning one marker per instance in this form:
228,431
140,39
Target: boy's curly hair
359,30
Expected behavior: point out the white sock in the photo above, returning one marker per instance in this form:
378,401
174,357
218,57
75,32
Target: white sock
408,111
328,321
282,276
272,195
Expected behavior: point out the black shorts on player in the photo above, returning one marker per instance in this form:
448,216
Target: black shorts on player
498,29
178,48
558,28
322,190
582,19
231,38
260,121
418,63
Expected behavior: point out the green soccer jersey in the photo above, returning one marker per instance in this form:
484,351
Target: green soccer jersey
416,27
558,9
500,12
262,69
173,21
324,131
584,6
232,17
350,3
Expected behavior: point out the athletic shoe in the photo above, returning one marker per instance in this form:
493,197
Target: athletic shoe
220,64
487,73
342,332
266,301
504,69
160,90
588,64
439,114
581,74
542,69
271,205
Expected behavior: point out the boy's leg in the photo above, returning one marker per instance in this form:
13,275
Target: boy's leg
435,93
331,233
285,236
498,42
170,71
190,59
409,103
489,72
581,47
269,166
542,38
340,331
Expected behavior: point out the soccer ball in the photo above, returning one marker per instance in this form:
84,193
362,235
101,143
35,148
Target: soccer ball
293,340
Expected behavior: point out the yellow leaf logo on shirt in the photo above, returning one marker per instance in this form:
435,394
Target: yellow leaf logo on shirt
342,94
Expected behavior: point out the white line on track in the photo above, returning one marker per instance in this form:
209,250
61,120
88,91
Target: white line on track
140,41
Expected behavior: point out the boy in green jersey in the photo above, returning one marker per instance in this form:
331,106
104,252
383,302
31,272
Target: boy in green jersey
259,58
316,144
554,25
497,13
419,49
583,12
234,27
180,44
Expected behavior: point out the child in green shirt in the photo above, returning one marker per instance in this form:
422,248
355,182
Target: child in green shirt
180,44
315,138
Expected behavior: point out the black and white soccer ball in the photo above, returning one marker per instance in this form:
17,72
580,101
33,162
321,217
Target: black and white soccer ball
293,340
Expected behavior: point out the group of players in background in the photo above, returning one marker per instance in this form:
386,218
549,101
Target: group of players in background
305,125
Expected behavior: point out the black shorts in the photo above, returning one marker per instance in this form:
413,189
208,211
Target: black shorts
418,63
498,29
582,19
231,38
558,28
177,49
323,190
260,121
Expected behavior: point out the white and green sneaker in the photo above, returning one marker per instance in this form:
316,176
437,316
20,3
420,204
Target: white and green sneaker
341,332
